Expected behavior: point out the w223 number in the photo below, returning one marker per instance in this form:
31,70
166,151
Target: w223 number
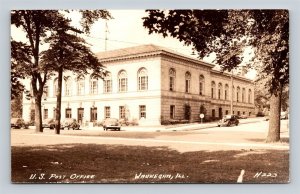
265,175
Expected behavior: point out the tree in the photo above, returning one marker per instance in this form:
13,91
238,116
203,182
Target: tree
227,33
19,59
38,25
66,53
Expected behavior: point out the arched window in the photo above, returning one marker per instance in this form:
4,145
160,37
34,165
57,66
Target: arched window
243,95
172,76
249,96
226,91
187,82
122,77
93,84
68,86
143,79
213,89
201,85
107,83
55,87
220,91
238,91
80,85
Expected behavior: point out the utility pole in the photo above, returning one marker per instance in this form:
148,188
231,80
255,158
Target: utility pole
106,31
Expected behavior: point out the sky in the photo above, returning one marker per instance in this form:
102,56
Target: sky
125,30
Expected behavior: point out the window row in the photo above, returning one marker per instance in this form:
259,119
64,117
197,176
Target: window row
217,93
237,95
213,112
142,80
94,114
187,83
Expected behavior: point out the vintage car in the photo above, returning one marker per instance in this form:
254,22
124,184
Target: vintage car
70,123
48,123
229,120
18,123
111,123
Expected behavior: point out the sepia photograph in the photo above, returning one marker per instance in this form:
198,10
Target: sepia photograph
150,96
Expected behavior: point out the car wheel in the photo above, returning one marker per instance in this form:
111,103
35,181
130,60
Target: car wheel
229,124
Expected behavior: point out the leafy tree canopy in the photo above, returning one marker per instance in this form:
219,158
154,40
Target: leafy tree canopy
227,33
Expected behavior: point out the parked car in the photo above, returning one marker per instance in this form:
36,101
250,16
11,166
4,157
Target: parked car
48,123
18,123
71,123
242,116
111,123
228,120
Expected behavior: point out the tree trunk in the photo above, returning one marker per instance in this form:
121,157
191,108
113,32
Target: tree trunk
38,114
274,122
58,101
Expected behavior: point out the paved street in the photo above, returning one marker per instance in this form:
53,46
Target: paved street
249,136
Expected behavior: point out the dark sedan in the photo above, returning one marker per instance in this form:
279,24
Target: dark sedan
229,120
18,123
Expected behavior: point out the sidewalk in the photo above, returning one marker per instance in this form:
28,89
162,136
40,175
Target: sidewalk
180,127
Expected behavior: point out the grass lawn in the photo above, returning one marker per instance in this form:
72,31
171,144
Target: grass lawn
91,163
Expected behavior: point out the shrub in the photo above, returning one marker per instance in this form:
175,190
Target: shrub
260,114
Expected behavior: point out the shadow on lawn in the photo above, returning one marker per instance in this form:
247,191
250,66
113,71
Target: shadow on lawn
137,164
282,140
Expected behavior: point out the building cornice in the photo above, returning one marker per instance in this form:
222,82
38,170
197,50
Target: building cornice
161,53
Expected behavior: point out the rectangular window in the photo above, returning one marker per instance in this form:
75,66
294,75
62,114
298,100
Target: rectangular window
32,114
226,112
45,113
172,84
201,88
68,113
93,114
80,115
213,113
212,93
107,86
172,111
107,112
187,86
219,94
142,111
123,85
122,112
225,94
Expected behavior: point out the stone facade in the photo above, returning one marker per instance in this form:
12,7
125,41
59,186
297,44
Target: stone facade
139,87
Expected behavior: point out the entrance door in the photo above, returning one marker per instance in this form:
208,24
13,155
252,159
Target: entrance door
220,113
80,112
